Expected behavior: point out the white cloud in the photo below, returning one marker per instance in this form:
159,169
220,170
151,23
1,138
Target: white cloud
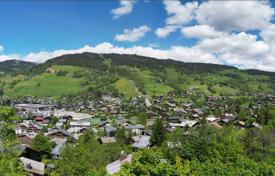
132,35
239,49
218,15
174,52
201,31
222,31
178,15
165,31
242,50
126,7
1,48
237,43
268,33
9,57
235,15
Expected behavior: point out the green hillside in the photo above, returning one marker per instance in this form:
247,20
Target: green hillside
132,75
45,84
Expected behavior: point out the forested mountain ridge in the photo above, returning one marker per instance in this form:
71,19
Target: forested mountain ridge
10,66
93,60
133,75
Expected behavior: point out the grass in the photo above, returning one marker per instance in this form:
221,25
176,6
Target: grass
46,84
127,87
151,87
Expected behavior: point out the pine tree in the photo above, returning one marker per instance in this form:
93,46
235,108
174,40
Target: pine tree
158,131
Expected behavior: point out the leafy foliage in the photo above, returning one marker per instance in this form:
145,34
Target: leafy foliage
42,144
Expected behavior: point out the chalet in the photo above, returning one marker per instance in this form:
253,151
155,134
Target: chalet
107,140
229,116
135,129
180,111
41,119
173,119
24,139
32,107
211,119
224,121
33,167
188,105
141,141
171,105
59,134
28,128
115,166
79,124
107,98
198,111
110,131
240,124
195,116
184,123
76,130
57,149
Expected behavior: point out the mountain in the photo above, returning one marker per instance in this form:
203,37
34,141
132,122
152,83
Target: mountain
10,66
133,75
92,60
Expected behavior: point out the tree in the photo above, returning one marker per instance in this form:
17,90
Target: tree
9,164
158,132
121,135
42,144
87,157
142,118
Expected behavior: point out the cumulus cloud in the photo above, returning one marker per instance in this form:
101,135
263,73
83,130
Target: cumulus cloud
132,35
268,33
223,30
242,50
235,15
237,43
126,7
178,14
165,31
201,31
174,52
218,15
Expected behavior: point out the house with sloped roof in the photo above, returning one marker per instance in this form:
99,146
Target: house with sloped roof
110,131
135,129
33,167
107,140
57,149
184,123
59,134
115,166
141,142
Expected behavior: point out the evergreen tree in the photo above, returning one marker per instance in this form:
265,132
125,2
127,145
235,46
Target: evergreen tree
158,131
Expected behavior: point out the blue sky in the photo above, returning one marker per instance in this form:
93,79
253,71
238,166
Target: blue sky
235,33
49,25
